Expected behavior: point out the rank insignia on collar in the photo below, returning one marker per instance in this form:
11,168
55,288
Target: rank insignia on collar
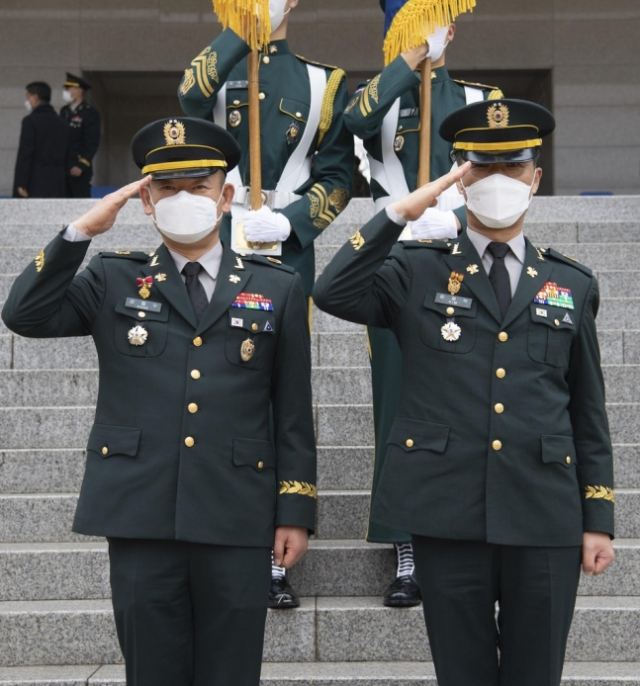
551,294
540,251
451,332
532,272
234,278
155,261
456,249
138,335
239,264
161,277
273,49
472,269
455,281
145,287
123,252
247,349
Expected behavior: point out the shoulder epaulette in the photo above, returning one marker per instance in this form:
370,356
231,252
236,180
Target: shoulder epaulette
572,262
481,85
268,261
138,256
437,244
316,64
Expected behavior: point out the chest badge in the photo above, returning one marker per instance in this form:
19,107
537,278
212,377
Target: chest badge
145,287
451,332
293,132
138,335
235,118
398,144
455,283
247,350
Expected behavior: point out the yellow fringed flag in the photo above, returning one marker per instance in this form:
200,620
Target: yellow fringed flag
417,19
250,19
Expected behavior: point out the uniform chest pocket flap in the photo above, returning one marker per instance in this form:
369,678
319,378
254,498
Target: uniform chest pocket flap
109,441
559,450
251,337
139,333
551,333
413,435
408,124
295,109
436,314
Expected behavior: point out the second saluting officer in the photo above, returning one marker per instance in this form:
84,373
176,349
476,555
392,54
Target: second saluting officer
187,475
504,476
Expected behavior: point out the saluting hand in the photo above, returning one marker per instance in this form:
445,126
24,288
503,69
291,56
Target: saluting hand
414,205
597,552
290,545
102,216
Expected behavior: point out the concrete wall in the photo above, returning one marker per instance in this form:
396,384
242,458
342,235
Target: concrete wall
590,46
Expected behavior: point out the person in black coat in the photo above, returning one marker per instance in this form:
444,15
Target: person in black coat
84,136
42,152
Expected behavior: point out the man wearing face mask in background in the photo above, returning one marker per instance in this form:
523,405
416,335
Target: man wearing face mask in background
503,472
41,159
307,153
385,113
202,354
84,123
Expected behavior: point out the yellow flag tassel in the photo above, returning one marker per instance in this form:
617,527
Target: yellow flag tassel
250,19
418,19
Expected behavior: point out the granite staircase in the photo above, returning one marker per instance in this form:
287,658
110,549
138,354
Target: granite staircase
56,624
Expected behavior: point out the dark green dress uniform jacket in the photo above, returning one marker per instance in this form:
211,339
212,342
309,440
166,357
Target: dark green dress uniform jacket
84,136
537,474
235,484
284,110
367,109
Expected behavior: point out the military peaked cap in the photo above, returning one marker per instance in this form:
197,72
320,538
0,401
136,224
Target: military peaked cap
76,81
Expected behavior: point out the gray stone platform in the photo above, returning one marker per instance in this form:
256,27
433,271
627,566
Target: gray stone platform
56,625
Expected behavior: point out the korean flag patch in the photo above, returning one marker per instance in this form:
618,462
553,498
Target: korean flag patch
237,322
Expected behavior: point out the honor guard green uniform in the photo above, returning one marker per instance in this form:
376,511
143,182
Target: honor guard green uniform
385,113
307,153
203,441
499,460
84,136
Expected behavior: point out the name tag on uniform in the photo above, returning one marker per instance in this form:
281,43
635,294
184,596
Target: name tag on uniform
453,300
145,305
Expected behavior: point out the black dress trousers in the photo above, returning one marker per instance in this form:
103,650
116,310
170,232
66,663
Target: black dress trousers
189,614
535,588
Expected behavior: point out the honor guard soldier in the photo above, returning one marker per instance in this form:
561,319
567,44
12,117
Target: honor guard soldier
202,456
84,122
307,153
385,113
502,471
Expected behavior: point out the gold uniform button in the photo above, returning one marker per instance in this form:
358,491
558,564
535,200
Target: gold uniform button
195,374
556,322
260,465
499,408
568,460
142,314
409,443
105,450
266,60
450,310
193,408
254,327
189,442
503,336
262,96
497,445
197,341
501,373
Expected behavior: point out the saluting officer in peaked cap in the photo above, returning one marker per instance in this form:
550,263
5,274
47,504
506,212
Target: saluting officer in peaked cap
503,473
202,457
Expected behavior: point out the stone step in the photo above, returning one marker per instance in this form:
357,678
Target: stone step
81,632
48,517
317,674
338,568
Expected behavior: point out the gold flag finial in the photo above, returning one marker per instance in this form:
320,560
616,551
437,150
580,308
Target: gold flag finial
250,19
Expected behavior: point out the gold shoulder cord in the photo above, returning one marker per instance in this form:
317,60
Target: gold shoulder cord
328,102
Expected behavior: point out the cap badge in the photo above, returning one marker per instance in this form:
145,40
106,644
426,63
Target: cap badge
498,116
174,132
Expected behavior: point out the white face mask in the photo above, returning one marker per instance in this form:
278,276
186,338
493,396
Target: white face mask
184,217
27,106
277,13
437,43
499,201
66,96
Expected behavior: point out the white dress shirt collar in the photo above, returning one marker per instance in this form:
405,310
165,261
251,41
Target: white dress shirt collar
210,261
517,244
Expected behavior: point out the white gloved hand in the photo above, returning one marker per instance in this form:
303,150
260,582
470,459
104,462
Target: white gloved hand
266,226
435,224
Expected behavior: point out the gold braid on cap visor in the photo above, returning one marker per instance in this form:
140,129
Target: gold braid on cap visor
498,147
187,164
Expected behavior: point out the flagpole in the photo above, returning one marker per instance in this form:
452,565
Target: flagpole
424,168
255,147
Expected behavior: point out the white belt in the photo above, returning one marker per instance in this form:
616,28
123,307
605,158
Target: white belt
274,200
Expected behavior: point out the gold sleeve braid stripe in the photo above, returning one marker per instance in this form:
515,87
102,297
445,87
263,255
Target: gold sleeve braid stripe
328,102
365,107
205,66
320,207
600,493
496,94
298,488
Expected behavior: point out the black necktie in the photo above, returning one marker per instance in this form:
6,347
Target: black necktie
499,276
197,294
